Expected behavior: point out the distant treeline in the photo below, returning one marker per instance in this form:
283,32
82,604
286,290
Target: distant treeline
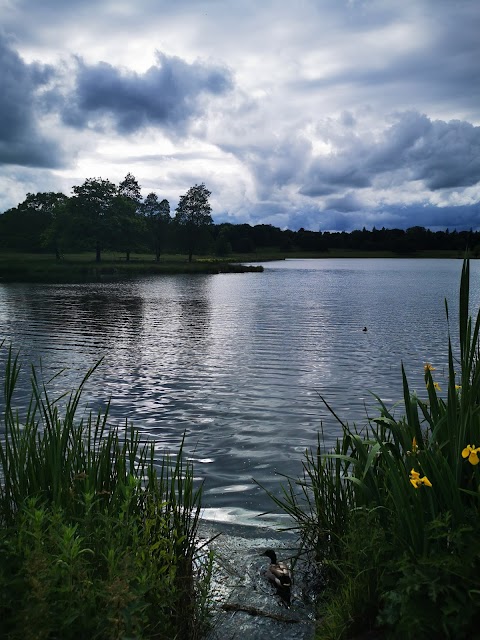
103,216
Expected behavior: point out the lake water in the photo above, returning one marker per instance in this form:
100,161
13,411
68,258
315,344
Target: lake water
239,361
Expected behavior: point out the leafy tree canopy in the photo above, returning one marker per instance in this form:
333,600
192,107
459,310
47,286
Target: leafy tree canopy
193,208
129,188
193,215
157,215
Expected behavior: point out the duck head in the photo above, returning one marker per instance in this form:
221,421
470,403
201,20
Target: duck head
270,553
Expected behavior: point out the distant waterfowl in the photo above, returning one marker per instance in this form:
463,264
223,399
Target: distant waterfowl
364,329
277,572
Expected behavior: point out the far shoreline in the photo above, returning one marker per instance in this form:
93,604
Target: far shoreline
82,267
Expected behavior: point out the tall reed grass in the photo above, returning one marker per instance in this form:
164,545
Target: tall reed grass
94,541
393,511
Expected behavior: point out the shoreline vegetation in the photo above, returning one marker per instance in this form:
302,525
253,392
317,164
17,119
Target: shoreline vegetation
83,267
78,268
97,539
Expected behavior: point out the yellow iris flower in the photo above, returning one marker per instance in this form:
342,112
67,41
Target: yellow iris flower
428,367
471,453
417,481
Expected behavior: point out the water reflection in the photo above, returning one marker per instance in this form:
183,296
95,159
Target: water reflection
239,362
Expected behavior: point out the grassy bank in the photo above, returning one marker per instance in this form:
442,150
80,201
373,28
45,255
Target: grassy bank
94,541
393,511
27,267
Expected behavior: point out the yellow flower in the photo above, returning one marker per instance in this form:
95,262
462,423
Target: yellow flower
414,445
458,387
428,367
436,386
417,481
471,453
414,478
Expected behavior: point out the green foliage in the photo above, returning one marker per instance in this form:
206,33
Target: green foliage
350,602
128,224
90,215
157,216
393,511
94,540
193,217
435,594
222,245
28,226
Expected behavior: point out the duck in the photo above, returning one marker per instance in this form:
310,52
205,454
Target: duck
277,572
364,329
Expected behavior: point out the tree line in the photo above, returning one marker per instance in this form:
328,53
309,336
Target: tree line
100,216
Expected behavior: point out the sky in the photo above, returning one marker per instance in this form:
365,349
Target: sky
322,114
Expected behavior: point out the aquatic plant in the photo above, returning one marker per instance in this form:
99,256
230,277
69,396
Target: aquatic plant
94,540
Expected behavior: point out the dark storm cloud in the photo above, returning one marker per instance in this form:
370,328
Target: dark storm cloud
326,177
460,218
21,141
346,204
167,95
443,155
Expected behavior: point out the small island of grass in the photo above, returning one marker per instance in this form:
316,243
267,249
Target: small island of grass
82,267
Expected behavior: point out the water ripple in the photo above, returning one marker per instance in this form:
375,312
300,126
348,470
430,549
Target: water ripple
239,363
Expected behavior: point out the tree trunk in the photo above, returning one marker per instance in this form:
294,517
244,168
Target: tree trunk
190,254
127,257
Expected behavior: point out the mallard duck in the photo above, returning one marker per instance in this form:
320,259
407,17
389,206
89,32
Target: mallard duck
277,572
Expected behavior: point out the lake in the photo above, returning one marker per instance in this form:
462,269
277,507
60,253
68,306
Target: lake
240,361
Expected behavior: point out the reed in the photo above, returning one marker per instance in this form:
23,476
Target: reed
95,541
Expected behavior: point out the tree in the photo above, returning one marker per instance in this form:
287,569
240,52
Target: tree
128,221
157,216
129,188
91,214
25,228
193,215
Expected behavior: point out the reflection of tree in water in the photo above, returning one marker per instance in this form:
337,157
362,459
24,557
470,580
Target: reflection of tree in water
116,315
101,316
194,320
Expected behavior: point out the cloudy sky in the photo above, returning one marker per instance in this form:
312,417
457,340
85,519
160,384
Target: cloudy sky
323,114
